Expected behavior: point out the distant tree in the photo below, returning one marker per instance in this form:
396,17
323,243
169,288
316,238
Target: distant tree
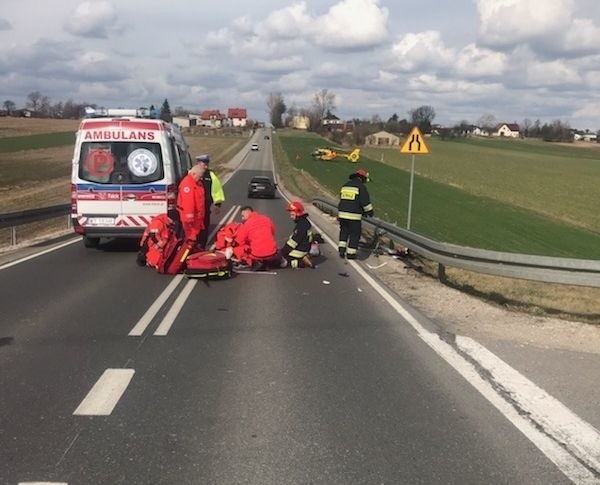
323,102
34,100
9,106
56,110
165,112
422,117
487,122
526,125
45,108
557,131
392,125
277,108
180,111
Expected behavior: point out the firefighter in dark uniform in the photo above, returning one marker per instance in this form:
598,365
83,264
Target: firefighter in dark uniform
354,202
213,194
295,251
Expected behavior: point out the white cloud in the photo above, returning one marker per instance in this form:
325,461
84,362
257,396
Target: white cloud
385,77
287,23
92,19
510,22
433,84
5,24
553,73
589,111
583,36
353,24
281,64
473,61
422,50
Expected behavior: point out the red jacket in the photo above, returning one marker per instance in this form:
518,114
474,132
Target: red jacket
155,238
226,235
190,204
258,232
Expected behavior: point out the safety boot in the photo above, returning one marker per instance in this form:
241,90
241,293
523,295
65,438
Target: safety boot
306,261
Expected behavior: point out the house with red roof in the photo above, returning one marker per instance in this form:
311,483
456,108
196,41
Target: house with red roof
510,130
211,118
237,117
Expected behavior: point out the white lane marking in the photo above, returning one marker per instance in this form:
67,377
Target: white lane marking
43,483
103,397
547,439
575,434
142,324
41,253
167,322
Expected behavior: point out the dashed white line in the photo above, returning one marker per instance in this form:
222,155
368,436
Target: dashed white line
43,483
104,396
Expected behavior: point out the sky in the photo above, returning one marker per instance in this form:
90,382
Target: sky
513,59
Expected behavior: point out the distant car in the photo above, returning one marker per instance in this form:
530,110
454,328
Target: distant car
261,187
266,137
254,147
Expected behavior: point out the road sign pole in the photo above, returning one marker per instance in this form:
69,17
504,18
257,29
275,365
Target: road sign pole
410,194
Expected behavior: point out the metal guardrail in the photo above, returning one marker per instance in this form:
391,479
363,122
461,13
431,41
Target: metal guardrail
570,271
15,219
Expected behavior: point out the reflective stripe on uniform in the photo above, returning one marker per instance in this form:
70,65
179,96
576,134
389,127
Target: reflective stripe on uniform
368,208
352,216
291,243
342,244
351,250
297,254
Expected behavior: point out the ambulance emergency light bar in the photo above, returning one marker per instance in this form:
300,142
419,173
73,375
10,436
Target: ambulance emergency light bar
118,112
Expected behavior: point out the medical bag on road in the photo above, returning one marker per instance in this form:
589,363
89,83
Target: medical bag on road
174,256
208,264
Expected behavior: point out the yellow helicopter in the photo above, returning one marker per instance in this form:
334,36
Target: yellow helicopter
331,154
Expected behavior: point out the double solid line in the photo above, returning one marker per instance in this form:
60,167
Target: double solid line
169,318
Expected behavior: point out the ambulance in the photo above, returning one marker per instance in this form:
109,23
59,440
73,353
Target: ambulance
126,170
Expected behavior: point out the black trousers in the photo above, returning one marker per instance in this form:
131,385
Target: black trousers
349,236
203,234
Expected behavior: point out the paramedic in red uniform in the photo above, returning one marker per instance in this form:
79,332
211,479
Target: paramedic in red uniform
255,238
190,202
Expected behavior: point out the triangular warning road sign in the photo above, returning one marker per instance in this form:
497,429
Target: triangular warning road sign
415,143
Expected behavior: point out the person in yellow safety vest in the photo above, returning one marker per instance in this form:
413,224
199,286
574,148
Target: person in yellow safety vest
354,202
213,195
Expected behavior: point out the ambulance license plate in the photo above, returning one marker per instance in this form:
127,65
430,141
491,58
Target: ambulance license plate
101,221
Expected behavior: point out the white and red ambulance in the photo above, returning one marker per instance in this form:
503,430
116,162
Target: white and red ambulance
126,170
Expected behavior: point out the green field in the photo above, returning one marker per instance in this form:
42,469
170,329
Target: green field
36,142
482,210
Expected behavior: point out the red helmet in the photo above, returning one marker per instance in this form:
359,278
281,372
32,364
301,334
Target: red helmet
295,207
363,173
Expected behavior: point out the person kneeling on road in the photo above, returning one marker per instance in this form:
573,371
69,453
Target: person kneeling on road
255,240
225,239
295,251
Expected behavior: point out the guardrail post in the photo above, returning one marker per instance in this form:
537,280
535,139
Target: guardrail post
13,236
441,273
69,221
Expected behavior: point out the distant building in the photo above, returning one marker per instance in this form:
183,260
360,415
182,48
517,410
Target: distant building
510,130
212,118
383,138
300,122
184,121
332,122
238,117
478,131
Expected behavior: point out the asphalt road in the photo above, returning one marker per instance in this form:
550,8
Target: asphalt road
303,376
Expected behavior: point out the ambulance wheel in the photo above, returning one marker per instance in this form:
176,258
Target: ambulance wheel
91,242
